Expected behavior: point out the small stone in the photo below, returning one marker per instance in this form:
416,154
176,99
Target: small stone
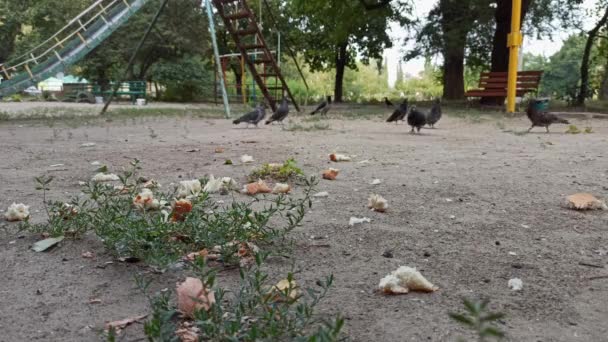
38,292
388,254
517,266
427,254
497,243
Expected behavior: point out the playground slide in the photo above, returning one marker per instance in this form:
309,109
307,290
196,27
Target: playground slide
72,43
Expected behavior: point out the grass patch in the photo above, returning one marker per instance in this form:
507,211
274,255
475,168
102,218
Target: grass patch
150,235
254,312
289,170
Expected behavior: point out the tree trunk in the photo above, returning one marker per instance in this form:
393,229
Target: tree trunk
584,89
455,26
500,50
341,62
453,75
604,88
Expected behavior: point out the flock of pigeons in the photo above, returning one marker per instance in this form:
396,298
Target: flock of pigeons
415,118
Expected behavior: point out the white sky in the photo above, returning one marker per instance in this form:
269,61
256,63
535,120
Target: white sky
421,10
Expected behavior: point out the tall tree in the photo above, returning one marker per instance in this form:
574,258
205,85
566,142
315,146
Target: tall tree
591,36
332,34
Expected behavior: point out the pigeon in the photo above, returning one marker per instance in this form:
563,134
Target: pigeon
323,108
435,114
416,119
399,113
388,102
253,117
281,112
540,118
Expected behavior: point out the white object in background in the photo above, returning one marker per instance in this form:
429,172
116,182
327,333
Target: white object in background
141,102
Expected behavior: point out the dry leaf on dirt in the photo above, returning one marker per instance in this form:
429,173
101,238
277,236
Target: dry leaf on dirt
180,209
187,332
377,203
219,150
585,201
123,323
45,244
285,290
339,157
192,295
281,188
17,212
331,174
404,280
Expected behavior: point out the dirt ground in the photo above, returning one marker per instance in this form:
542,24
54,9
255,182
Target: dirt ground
471,206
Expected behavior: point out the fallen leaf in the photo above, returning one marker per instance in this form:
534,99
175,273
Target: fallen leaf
585,201
219,150
192,295
228,162
45,244
285,290
188,332
95,301
123,323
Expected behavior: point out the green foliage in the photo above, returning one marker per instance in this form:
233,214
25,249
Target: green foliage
149,235
185,79
287,171
480,320
254,312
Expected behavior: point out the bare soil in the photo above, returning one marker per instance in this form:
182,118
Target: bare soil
471,206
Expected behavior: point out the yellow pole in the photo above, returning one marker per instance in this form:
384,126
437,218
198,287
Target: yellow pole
514,41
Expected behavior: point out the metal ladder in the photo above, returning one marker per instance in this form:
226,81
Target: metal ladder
241,24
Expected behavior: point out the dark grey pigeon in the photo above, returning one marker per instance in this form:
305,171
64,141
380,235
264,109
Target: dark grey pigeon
541,118
388,102
434,114
323,108
281,113
416,119
399,113
253,117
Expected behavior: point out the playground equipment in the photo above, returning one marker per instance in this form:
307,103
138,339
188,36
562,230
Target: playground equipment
245,31
514,41
69,45
96,23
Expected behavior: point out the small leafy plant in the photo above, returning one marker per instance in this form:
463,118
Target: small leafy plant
152,235
287,171
256,311
480,320
572,129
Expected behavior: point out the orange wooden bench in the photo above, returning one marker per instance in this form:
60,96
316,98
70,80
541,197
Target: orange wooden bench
494,84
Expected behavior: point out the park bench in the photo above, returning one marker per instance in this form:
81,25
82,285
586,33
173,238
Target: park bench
494,84
134,89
